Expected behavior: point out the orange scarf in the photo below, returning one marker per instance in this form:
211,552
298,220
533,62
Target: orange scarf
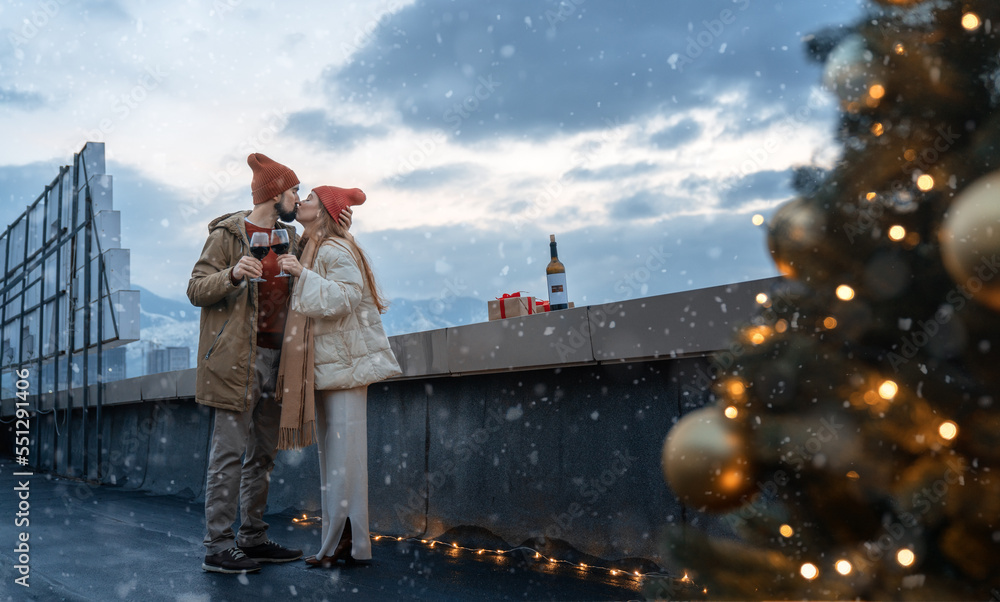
295,389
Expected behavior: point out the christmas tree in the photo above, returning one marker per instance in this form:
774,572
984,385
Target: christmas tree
854,441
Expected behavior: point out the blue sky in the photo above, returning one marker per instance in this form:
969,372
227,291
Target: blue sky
645,135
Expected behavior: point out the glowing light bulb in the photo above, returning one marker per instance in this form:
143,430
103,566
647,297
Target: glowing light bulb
758,219
737,388
877,91
888,389
897,233
970,21
786,531
905,557
762,298
948,430
845,293
871,196
878,129
925,182
809,571
830,323
781,326
899,49
853,475
731,412
844,567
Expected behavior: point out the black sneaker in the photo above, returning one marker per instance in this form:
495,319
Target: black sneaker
232,560
271,552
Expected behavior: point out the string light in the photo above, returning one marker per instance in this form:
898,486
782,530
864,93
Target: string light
897,233
844,567
853,475
888,389
845,293
762,298
786,530
809,571
925,182
905,557
731,412
970,21
948,430
535,554
758,219
877,91
878,129
830,322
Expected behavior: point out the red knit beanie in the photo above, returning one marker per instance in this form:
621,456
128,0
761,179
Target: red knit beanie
270,178
337,199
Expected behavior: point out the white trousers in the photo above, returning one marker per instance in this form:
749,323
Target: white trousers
342,429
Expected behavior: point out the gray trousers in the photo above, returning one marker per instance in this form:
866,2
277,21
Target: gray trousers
251,435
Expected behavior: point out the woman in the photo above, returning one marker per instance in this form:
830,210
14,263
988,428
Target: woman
334,345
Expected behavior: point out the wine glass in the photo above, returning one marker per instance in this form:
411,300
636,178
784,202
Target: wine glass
260,246
279,244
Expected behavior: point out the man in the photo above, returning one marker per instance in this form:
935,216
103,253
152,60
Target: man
242,327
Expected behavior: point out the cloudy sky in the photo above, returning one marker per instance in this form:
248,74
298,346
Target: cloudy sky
644,134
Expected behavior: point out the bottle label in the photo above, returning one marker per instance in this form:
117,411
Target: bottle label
557,289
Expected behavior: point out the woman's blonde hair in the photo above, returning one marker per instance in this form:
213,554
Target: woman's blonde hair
327,227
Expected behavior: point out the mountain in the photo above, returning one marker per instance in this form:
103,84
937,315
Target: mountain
170,323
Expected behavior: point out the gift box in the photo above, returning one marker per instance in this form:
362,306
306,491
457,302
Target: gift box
511,306
541,306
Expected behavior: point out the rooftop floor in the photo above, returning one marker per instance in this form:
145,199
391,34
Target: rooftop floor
107,543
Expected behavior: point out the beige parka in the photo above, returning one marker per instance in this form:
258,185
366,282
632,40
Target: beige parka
227,343
351,348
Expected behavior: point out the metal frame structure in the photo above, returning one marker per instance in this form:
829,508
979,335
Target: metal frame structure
63,301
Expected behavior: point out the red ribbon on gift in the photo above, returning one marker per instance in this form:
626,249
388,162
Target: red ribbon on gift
544,304
503,310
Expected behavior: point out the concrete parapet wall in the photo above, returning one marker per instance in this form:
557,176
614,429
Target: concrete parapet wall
547,426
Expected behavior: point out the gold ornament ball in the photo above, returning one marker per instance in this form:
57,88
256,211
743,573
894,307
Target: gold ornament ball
970,240
705,461
794,235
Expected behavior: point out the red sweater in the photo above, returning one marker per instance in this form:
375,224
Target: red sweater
272,299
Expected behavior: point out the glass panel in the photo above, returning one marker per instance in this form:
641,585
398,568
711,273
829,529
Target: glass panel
48,377
52,214
62,324
3,253
81,207
11,343
16,254
51,276
50,328
36,226
65,268
29,336
66,188
33,296
13,307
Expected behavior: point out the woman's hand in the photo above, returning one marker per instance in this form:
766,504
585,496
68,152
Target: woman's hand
290,264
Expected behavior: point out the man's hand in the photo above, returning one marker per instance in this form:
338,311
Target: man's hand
246,266
345,217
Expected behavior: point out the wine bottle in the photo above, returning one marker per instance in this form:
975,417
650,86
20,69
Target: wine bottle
555,276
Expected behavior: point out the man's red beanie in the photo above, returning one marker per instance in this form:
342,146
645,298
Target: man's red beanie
337,199
270,178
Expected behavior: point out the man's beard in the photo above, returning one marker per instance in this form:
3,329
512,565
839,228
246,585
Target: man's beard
286,216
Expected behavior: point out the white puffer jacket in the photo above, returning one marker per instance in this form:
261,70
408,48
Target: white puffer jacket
351,346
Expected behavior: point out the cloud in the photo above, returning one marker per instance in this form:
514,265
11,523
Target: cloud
611,172
497,69
21,100
758,186
436,177
319,127
676,135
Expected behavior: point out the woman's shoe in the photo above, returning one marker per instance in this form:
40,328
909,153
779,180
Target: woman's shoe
343,551
325,562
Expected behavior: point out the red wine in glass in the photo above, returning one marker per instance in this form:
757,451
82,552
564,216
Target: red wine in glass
279,244
260,246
